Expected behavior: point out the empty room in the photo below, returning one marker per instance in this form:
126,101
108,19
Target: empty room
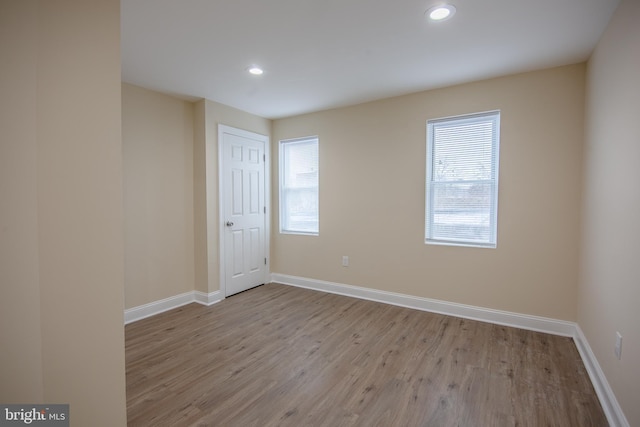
321,213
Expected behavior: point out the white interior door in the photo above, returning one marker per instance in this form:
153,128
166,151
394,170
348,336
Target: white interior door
243,209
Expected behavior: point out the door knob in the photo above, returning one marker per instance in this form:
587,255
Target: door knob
229,224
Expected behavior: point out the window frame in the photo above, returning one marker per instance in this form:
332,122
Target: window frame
283,227
494,117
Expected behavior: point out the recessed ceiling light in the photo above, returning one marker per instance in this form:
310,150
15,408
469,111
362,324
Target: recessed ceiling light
255,70
441,12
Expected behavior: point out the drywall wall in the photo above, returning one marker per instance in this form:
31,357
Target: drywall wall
80,208
209,115
66,278
609,288
372,203
200,132
20,332
157,135
170,194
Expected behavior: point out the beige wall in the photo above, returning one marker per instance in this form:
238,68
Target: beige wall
157,135
170,194
609,289
209,115
62,285
372,181
20,331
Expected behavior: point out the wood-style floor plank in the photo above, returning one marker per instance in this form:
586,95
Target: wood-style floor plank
283,356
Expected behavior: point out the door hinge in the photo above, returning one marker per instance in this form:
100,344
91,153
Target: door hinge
264,158
265,209
265,261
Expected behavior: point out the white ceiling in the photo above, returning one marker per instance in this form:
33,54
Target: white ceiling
320,54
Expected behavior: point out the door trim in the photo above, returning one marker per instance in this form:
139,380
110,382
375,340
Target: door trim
222,129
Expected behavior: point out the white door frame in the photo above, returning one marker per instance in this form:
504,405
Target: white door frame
222,129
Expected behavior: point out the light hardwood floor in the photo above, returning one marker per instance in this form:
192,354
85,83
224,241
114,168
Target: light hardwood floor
283,356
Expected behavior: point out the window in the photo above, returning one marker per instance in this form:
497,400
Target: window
462,180
299,186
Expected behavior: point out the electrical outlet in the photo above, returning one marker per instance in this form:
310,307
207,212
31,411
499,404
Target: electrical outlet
618,349
345,261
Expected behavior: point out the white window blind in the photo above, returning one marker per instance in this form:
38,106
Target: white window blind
462,180
299,186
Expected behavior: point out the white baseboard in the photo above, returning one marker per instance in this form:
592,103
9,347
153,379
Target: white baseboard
609,403
208,299
506,318
608,400
156,307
